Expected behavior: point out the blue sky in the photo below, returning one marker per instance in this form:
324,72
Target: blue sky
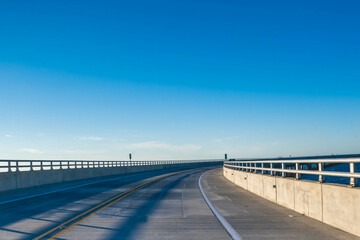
178,79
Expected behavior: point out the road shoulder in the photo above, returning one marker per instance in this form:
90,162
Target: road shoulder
254,217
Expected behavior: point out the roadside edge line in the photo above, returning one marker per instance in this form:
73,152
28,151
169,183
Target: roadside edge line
229,229
63,189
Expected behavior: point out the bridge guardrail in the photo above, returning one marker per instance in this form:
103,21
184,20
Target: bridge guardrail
40,165
298,166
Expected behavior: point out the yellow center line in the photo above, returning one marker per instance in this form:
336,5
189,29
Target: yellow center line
83,216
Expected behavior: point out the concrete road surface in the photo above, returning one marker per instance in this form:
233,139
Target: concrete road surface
169,208
256,218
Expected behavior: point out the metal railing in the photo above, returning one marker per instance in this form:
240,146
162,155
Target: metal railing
40,165
295,167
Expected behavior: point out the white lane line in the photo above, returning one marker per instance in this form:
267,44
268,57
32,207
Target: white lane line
230,230
64,189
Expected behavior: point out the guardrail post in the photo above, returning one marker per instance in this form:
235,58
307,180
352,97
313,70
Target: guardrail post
321,178
297,175
353,181
262,168
17,166
282,172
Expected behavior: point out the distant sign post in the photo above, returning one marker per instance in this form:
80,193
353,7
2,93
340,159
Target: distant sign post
130,156
225,156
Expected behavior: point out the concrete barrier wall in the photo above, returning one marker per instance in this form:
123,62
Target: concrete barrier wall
16,180
333,204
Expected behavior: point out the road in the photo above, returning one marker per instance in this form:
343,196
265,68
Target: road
170,208
152,205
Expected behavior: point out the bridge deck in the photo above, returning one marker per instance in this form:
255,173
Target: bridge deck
256,218
170,208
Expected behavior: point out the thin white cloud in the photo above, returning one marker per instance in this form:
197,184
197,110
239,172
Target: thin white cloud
91,138
84,151
226,139
31,150
8,135
150,145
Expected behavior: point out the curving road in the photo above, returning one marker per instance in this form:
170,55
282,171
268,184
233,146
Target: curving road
152,205
169,208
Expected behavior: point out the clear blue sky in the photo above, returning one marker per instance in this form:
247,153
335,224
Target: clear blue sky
178,79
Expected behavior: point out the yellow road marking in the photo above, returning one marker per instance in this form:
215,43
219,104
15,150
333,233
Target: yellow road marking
79,218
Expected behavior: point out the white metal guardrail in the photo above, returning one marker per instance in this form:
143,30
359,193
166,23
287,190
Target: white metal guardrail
41,165
295,167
